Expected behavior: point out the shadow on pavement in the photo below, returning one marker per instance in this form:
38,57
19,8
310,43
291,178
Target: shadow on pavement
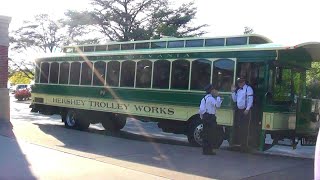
121,134
13,164
141,137
161,158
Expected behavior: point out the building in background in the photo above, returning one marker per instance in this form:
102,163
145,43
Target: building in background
4,46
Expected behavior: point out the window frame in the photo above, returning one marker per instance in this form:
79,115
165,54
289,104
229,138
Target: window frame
134,75
234,60
69,65
80,69
40,78
58,73
94,75
153,62
136,72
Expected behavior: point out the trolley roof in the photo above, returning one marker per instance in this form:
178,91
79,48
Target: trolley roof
309,51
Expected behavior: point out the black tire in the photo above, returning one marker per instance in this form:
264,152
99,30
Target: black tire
83,124
63,114
72,121
120,122
114,123
195,132
108,125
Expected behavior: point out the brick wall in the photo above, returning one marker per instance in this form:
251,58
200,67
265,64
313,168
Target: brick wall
3,66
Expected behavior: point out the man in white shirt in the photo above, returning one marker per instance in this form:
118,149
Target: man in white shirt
207,112
243,96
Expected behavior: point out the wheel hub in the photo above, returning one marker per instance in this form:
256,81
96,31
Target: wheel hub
198,134
71,120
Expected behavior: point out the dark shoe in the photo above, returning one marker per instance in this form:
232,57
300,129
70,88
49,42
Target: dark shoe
244,149
208,152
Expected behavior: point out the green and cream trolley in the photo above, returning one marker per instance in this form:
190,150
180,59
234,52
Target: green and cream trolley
162,80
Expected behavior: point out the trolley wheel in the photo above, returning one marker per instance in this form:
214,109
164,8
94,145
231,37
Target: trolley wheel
121,122
194,133
114,123
83,124
72,121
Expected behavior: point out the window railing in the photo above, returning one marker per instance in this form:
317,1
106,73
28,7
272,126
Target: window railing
172,43
179,74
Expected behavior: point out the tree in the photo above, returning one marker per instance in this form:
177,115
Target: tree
124,20
20,77
42,34
175,22
26,68
313,80
248,30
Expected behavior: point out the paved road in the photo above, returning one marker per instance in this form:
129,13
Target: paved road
48,151
22,160
39,147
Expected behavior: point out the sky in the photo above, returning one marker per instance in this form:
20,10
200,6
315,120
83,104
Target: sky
288,22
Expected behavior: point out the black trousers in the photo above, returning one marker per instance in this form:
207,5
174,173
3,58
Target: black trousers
241,128
210,136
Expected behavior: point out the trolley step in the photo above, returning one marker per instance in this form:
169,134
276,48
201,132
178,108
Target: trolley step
308,141
286,142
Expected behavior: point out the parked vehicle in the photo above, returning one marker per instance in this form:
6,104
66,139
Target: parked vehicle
22,94
21,86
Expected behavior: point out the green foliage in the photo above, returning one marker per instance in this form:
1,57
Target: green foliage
20,78
287,85
124,20
313,74
27,68
175,22
313,90
282,87
313,80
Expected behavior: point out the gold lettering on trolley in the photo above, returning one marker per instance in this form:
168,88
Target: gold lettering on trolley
156,110
76,102
125,107
108,105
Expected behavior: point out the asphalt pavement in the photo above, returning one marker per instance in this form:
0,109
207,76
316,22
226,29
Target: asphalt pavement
34,146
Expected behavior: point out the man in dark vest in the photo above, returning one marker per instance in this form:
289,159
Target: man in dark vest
209,103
